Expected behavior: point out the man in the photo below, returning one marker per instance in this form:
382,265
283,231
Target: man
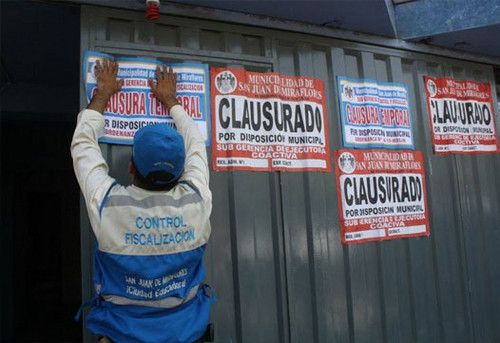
150,236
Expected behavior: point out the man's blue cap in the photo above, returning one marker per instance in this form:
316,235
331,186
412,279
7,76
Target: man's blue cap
158,148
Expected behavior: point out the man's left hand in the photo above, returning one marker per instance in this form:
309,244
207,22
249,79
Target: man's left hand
107,84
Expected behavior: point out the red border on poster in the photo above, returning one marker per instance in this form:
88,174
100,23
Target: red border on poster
268,122
462,116
381,195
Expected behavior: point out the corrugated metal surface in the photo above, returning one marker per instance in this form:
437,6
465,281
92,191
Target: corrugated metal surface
275,257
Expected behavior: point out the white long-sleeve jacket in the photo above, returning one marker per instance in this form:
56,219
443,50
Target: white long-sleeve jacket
92,170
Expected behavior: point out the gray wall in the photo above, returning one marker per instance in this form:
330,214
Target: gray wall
275,257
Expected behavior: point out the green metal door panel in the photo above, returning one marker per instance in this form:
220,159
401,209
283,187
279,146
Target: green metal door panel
275,257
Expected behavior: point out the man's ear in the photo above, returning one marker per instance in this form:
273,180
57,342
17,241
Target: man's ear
131,171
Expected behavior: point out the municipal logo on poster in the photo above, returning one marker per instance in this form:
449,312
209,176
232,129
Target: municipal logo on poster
347,162
225,82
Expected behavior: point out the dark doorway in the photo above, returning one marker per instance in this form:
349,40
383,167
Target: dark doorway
40,216
40,243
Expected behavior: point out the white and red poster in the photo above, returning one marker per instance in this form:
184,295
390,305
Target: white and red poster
268,122
462,116
381,195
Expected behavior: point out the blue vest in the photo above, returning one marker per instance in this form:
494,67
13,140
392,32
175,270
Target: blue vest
148,266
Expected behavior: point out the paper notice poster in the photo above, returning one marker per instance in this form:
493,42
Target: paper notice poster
268,122
462,116
135,105
374,114
381,195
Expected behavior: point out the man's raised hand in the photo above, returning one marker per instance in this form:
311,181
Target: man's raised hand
106,77
107,84
165,86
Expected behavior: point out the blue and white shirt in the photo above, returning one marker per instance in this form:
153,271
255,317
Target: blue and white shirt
148,261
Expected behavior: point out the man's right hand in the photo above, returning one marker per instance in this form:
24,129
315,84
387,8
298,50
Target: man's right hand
165,86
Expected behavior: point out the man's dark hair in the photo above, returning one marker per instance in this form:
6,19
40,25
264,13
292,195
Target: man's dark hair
154,181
